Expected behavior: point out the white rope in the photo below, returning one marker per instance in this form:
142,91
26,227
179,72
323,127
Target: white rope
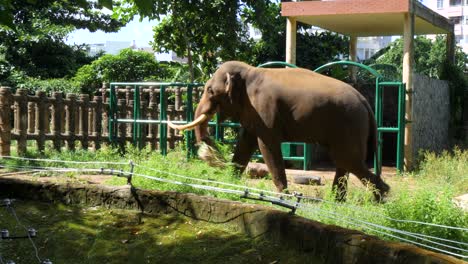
66,161
12,210
216,182
411,234
365,225
51,169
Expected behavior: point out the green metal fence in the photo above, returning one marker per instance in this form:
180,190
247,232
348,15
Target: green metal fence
289,149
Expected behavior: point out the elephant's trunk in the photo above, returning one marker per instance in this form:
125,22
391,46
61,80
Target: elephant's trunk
207,150
201,130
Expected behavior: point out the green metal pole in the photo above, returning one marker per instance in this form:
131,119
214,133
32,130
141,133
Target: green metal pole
307,155
218,128
136,116
378,108
162,117
401,127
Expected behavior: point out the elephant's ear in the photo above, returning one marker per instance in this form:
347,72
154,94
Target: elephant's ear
229,86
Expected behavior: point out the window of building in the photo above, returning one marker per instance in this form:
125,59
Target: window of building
440,4
456,20
455,2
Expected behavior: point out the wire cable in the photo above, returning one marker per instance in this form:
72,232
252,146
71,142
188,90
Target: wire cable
66,161
365,225
12,210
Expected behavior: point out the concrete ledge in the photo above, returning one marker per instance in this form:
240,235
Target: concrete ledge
330,244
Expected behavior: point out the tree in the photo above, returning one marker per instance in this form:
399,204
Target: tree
127,66
195,29
34,42
429,56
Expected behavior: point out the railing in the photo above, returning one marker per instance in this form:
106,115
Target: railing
64,120
79,121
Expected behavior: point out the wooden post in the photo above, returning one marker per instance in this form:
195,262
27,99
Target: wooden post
22,119
353,57
170,131
408,62
129,115
178,98
70,121
98,122
42,120
153,128
291,31
105,117
83,123
57,113
144,127
31,118
5,119
450,43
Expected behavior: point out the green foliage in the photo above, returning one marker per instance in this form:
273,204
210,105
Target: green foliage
430,60
127,66
446,168
218,38
36,44
49,85
429,56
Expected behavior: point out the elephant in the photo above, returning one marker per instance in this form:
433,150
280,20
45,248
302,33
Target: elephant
275,105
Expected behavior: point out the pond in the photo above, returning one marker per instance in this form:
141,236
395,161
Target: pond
72,234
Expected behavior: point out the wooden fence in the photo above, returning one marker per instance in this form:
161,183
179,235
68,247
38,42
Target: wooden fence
71,121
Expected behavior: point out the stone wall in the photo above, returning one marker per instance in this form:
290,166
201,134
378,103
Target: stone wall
329,244
431,114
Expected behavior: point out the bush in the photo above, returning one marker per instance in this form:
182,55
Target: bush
127,66
49,86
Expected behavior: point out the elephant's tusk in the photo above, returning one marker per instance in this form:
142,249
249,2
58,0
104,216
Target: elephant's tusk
190,126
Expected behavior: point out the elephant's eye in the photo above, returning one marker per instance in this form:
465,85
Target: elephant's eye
210,90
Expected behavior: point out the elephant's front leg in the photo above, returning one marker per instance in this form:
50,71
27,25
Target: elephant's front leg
245,147
271,151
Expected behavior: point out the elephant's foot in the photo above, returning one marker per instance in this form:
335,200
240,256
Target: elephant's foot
381,191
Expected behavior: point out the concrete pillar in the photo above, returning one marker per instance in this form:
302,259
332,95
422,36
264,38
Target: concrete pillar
291,31
408,62
451,47
353,57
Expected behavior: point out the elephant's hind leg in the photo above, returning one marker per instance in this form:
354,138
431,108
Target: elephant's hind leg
340,184
363,173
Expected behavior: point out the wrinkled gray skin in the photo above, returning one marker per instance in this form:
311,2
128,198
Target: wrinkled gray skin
278,105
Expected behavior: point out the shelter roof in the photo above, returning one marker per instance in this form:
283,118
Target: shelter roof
367,17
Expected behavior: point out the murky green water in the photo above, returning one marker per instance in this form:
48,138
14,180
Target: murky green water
97,235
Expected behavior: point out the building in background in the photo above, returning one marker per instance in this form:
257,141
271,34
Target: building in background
368,46
456,11
110,47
